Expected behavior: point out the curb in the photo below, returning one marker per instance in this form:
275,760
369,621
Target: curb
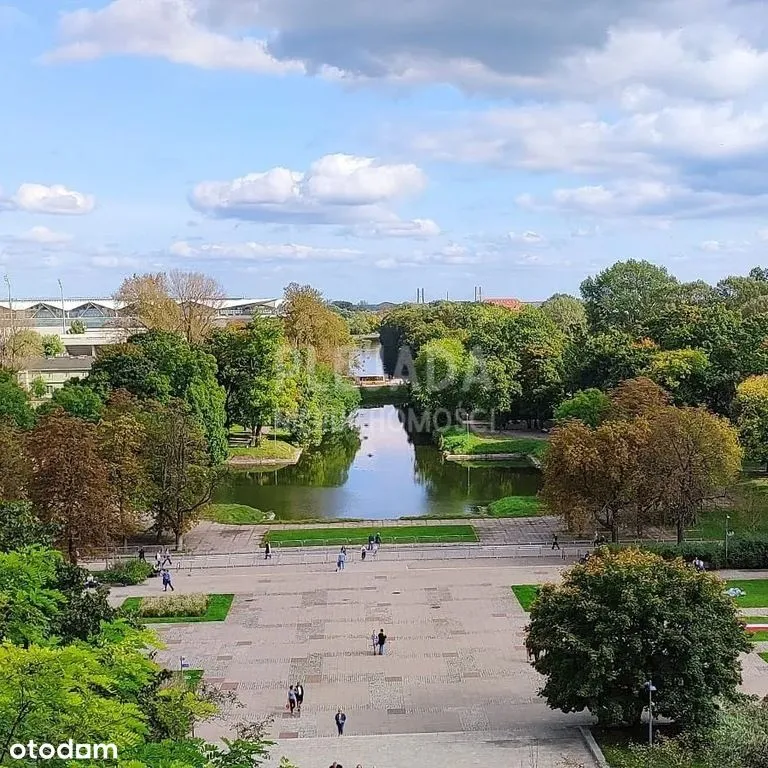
593,747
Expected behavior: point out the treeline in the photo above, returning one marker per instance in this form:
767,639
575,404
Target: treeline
138,444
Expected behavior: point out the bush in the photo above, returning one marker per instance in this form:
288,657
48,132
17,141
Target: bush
174,605
742,552
126,573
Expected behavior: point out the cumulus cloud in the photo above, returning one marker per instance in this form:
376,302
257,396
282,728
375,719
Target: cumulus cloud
417,229
261,252
169,29
56,199
336,189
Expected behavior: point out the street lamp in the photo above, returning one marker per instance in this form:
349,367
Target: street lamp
8,283
651,688
63,313
727,535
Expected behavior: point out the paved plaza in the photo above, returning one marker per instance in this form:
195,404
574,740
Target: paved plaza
454,685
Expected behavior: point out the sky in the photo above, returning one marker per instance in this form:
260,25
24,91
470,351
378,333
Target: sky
372,148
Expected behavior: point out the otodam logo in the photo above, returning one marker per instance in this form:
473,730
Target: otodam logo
68,750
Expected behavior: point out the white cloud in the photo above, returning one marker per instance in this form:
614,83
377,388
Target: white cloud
262,252
336,189
527,238
762,234
169,29
417,229
56,199
44,236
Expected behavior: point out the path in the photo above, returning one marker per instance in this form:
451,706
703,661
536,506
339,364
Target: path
455,662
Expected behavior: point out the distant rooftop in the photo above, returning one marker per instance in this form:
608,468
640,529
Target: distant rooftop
506,303
48,364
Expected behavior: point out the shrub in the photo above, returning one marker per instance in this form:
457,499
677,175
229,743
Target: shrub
126,573
174,605
742,552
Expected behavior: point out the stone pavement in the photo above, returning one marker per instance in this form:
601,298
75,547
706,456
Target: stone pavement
455,663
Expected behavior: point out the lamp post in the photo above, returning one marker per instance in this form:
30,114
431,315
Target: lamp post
727,534
651,688
10,301
63,313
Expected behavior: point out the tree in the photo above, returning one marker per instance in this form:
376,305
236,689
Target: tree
750,409
597,475
199,298
683,373
70,484
52,346
696,456
38,388
625,618
77,327
568,314
126,366
444,374
637,397
147,303
14,401
605,360
20,527
18,346
121,436
180,479
627,297
250,364
311,324
738,291
590,406
14,464
76,399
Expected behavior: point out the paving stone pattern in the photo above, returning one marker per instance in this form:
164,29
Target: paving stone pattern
454,666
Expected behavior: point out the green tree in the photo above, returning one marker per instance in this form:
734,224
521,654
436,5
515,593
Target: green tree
77,327
626,618
250,364
76,399
14,464
627,297
737,291
180,480
590,406
683,373
52,346
750,410
126,366
20,527
14,401
568,314
444,375
38,387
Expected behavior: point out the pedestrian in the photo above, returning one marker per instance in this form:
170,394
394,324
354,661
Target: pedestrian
555,543
370,541
167,557
340,561
341,720
375,549
167,581
267,551
299,689
158,561
374,641
380,640
291,699
377,540
142,555
362,552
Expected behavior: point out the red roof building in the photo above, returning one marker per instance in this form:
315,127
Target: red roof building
514,304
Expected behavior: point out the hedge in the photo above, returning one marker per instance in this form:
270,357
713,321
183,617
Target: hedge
742,552
126,573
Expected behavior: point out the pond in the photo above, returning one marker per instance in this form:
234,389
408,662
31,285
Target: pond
376,471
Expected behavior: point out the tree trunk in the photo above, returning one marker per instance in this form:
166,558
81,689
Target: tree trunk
614,532
680,530
179,541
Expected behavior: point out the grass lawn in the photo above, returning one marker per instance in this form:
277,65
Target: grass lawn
235,514
763,656
615,747
757,592
267,449
456,440
218,608
526,594
516,506
413,534
758,637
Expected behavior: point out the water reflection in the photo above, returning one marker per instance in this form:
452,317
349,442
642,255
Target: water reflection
375,471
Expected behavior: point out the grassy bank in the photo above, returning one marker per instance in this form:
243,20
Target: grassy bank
756,592
526,594
457,441
268,449
236,514
357,536
516,506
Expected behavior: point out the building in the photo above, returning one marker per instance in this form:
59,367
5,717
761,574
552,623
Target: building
513,304
54,371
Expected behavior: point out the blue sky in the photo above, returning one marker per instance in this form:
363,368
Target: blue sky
369,148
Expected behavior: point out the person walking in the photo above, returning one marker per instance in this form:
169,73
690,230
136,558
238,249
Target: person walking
142,555
291,699
342,558
377,540
167,557
555,543
158,561
370,541
362,552
299,688
341,721
381,639
374,641
267,551
167,581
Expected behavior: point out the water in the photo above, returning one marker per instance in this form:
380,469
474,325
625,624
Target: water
375,471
